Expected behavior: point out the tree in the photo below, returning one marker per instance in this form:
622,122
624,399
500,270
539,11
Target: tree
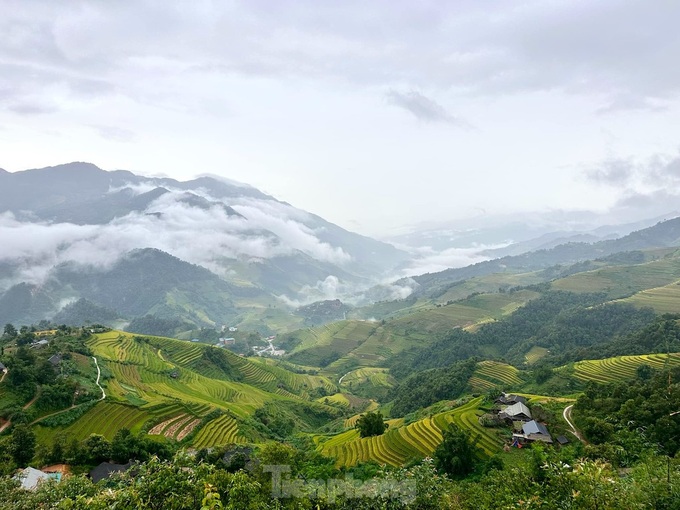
22,445
10,331
371,424
98,448
455,455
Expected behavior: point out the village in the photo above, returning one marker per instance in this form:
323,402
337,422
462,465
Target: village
512,410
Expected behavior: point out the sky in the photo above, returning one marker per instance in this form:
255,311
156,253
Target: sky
375,115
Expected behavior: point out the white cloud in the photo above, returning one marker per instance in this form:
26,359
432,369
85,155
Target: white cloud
207,237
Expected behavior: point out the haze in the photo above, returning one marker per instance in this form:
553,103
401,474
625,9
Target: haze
377,116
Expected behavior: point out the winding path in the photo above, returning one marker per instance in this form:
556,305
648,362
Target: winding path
567,417
74,405
8,423
340,380
98,376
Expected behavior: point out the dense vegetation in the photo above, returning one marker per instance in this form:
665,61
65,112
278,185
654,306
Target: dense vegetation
627,417
548,479
558,321
427,387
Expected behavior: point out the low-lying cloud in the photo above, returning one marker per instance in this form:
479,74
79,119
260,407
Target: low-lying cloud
208,237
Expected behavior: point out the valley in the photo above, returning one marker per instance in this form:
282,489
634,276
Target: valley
153,357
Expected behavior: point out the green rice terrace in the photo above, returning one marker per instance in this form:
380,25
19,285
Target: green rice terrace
621,368
173,388
403,442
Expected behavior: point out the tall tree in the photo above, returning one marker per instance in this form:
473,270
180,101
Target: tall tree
371,424
10,331
455,455
22,445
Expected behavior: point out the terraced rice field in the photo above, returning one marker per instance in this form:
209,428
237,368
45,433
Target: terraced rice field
619,281
337,338
661,299
338,399
493,374
106,418
177,427
621,368
220,431
157,374
402,443
368,375
534,354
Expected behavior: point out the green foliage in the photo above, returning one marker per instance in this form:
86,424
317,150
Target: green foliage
69,416
456,454
10,332
21,445
371,424
563,322
644,407
159,326
425,388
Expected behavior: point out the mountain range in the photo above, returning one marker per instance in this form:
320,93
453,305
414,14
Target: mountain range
207,250
81,241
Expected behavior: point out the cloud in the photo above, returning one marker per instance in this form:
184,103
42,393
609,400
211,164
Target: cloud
29,108
648,175
422,107
614,49
612,172
630,102
330,287
432,261
207,237
115,133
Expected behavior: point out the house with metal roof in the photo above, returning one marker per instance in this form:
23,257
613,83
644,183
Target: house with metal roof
534,431
31,477
516,412
509,399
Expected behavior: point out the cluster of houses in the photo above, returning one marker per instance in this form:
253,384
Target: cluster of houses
513,409
30,478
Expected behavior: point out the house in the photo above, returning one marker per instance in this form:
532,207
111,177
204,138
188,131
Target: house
3,368
562,440
195,340
40,343
232,329
534,431
31,477
510,399
106,469
55,360
516,412
239,457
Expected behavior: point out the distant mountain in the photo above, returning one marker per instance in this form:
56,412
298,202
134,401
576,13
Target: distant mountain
239,242
85,312
661,235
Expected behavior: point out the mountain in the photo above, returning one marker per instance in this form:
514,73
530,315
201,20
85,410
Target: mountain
663,234
74,230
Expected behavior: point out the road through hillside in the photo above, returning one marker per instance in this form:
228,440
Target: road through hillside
98,376
567,417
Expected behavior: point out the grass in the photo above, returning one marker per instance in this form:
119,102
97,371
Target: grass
404,443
